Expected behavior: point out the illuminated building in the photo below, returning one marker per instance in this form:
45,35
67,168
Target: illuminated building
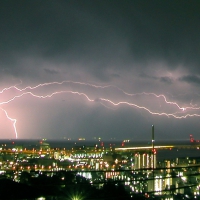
144,160
56,155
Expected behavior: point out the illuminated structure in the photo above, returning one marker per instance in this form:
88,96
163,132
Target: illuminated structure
144,160
136,167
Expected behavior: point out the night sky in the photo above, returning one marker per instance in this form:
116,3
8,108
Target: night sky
106,68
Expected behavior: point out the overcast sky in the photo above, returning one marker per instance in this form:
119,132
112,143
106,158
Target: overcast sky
125,65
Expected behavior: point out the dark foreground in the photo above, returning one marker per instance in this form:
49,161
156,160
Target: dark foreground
64,185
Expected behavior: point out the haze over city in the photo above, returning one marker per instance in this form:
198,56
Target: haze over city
109,69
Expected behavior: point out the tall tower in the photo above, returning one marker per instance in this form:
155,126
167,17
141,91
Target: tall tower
153,155
152,137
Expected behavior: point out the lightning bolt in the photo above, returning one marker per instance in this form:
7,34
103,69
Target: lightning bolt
106,102
13,120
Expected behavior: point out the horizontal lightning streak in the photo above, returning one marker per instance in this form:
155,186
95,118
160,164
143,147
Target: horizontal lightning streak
153,113
102,99
53,83
11,87
24,92
103,87
45,96
165,99
96,86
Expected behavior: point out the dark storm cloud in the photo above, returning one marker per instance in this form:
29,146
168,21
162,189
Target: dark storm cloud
193,79
148,76
106,32
51,71
167,80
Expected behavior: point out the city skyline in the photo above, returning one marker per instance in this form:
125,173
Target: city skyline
99,69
